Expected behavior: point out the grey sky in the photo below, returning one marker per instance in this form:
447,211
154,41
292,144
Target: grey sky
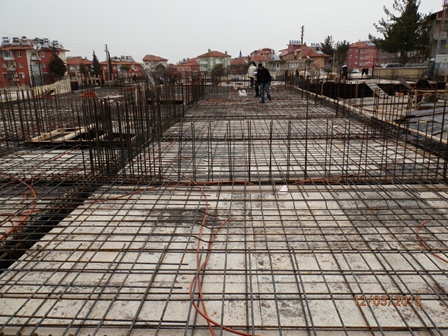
176,29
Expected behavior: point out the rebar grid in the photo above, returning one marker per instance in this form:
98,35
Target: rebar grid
127,257
297,220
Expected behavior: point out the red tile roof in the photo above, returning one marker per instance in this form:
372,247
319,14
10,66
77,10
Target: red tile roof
361,44
153,58
237,61
213,53
310,52
77,60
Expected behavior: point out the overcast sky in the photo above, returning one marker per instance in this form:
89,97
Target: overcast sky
176,29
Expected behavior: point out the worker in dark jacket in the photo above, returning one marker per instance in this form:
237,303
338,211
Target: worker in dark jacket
264,81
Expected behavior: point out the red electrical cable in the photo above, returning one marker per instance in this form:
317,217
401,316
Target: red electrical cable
426,246
23,214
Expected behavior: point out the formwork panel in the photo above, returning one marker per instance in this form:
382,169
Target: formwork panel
256,272
46,164
287,218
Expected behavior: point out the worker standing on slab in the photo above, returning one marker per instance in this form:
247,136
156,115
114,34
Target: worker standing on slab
345,72
251,74
264,81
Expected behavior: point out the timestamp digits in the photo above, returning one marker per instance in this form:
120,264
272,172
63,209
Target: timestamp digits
388,300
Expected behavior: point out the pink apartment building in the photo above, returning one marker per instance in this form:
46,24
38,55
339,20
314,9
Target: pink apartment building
362,54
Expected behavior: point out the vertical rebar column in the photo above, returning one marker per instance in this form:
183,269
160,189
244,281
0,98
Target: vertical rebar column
229,150
147,128
361,105
336,98
179,150
383,161
28,115
159,134
363,154
327,150
288,153
306,140
270,150
4,114
331,147
23,131
249,147
346,151
376,103
193,150
209,154
122,150
445,154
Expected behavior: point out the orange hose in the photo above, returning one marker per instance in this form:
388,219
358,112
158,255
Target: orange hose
23,214
425,246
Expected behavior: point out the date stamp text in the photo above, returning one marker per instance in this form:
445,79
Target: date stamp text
388,300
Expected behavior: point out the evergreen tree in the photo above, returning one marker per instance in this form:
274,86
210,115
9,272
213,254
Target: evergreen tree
57,66
328,46
83,70
218,70
341,51
160,68
403,32
424,42
96,68
125,68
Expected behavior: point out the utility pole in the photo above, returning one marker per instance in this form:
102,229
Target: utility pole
301,47
301,41
109,65
334,61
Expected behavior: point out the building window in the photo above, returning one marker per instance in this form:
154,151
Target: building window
22,75
20,65
19,54
42,54
44,65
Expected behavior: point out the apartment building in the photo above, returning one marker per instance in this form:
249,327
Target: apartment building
121,67
303,57
75,65
25,62
155,63
362,54
212,58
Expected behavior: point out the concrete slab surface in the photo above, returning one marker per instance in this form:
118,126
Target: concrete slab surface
333,236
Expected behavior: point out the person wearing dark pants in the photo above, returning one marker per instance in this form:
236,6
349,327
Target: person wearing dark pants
251,74
254,83
264,81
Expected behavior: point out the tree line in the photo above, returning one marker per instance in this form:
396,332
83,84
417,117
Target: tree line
405,33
